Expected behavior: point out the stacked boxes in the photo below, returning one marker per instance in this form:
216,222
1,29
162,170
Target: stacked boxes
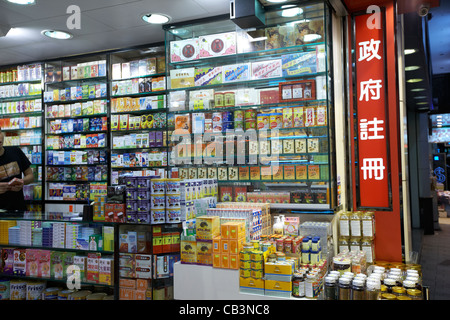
207,228
227,246
135,289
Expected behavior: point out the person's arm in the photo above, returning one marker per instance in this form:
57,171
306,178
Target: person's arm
28,176
17,184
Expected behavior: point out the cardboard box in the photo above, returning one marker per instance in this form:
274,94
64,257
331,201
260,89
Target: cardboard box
216,260
225,260
204,252
234,261
217,244
278,288
207,227
250,285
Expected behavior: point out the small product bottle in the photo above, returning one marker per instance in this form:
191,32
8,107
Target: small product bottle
358,290
306,256
331,288
373,289
414,294
310,286
298,285
344,288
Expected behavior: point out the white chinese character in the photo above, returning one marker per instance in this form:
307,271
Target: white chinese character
373,168
370,90
367,127
369,50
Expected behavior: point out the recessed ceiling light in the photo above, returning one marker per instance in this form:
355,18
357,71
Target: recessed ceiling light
22,2
420,97
156,18
418,90
291,12
56,34
276,1
409,51
412,68
414,80
422,103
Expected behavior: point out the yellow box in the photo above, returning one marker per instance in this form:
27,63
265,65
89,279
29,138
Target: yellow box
188,251
216,260
233,230
205,253
225,260
278,269
207,227
224,230
251,283
217,246
285,286
234,261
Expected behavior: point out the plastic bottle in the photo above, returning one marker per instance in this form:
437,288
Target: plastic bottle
331,288
344,288
373,289
358,290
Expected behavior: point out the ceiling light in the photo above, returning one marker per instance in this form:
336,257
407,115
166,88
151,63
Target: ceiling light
276,1
409,51
56,34
418,90
420,97
156,18
414,80
412,68
22,2
292,12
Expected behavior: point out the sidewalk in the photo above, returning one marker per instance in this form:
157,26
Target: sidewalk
435,261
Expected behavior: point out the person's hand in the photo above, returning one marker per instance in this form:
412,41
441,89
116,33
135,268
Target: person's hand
16,184
4,187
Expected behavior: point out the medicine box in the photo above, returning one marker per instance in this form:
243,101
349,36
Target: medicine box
278,288
207,227
250,285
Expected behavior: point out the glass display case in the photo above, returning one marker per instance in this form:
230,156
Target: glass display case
21,121
76,128
253,109
138,112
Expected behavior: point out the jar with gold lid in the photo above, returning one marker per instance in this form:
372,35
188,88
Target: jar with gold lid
399,291
403,298
414,294
388,296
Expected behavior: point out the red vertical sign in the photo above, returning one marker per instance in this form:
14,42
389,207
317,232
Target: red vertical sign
371,115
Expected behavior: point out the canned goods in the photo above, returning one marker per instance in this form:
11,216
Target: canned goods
79,295
256,255
250,124
250,114
229,99
218,100
227,116
276,120
51,293
262,121
64,294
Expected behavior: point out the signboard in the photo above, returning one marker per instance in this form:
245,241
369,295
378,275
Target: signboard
371,115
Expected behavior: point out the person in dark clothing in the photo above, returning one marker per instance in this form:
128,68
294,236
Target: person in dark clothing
15,172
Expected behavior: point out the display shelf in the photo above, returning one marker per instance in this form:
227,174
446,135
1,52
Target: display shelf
9,245
57,280
22,114
20,82
103,114
75,81
73,101
145,111
141,94
20,98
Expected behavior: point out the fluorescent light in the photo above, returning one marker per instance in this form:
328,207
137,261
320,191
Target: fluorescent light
412,68
292,12
418,90
409,51
56,34
156,18
414,80
22,2
276,1
420,97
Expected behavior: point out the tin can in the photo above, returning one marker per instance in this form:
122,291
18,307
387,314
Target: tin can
250,124
79,295
64,294
229,99
218,99
276,120
51,293
227,126
208,125
250,114
227,116
262,121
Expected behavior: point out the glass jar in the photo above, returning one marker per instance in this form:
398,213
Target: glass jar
355,224
358,290
414,294
288,245
311,286
344,224
388,296
331,288
373,289
344,288
399,291
344,244
403,298
367,224
389,283
298,285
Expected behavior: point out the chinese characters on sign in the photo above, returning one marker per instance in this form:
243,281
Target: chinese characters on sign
370,103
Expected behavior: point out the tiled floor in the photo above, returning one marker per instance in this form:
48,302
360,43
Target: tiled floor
435,261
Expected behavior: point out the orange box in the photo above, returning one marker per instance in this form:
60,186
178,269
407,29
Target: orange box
217,244
225,260
139,295
236,230
234,261
216,260
175,242
167,242
127,283
224,245
224,230
235,246
142,284
126,294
